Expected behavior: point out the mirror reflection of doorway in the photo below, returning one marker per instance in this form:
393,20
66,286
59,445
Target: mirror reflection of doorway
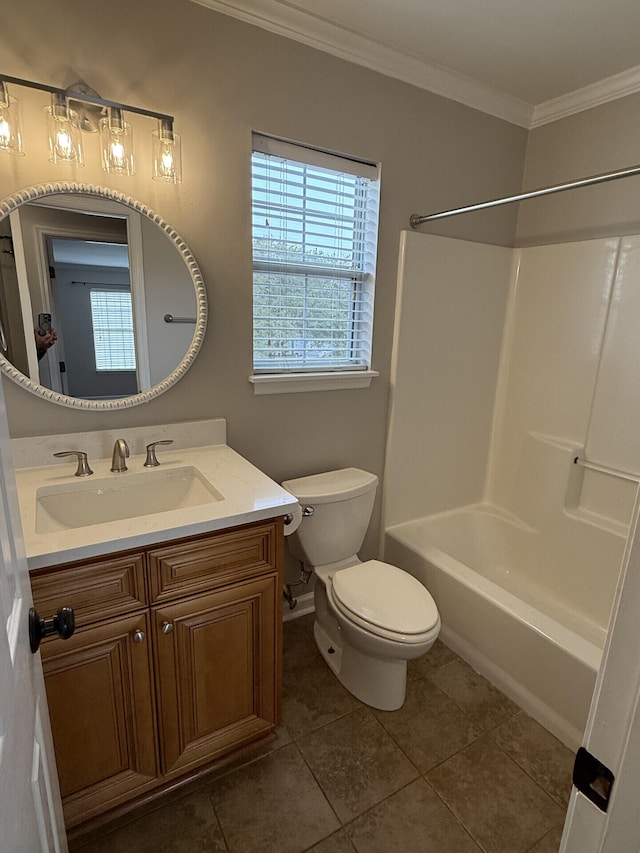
93,317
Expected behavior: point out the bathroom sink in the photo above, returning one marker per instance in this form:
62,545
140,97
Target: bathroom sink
121,496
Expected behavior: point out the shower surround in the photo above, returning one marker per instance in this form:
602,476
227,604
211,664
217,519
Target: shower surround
509,364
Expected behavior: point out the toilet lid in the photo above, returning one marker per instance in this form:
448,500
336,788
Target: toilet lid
385,596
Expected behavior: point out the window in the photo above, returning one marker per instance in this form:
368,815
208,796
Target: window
315,220
112,320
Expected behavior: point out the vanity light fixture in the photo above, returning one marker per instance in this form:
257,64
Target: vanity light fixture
80,109
10,128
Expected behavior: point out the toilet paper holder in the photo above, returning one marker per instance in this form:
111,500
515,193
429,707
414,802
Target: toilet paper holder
306,512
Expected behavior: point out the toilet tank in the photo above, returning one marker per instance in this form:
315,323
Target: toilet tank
342,503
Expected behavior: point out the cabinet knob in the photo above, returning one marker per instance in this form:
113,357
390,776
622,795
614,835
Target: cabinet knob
138,636
62,623
167,627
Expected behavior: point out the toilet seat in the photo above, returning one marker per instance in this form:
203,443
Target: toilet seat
385,601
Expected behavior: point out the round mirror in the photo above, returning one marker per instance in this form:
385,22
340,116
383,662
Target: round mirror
102,305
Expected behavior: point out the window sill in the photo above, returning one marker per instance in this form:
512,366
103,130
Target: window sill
290,383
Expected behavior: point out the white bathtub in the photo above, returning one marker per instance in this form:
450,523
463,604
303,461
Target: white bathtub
512,625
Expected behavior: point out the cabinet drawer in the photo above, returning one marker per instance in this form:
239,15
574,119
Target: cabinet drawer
98,589
203,564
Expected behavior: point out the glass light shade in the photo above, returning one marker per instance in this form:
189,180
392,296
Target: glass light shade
10,127
116,143
167,154
65,144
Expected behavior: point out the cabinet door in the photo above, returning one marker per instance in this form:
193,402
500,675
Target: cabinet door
102,714
218,671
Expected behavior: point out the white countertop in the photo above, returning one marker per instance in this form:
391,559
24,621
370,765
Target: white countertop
248,495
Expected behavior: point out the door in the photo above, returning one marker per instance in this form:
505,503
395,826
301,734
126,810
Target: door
30,808
612,734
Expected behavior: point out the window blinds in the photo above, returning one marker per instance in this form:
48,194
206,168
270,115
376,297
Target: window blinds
112,319
314,249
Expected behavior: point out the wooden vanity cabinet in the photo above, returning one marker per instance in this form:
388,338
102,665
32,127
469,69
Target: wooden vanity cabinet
175,662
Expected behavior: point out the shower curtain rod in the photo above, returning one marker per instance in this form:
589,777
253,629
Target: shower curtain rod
417,220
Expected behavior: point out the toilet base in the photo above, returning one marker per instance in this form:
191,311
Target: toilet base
378,682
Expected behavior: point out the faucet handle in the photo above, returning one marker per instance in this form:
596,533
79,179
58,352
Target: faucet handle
83,469
152,460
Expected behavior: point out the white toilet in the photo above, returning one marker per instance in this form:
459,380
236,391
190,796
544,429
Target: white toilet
371,618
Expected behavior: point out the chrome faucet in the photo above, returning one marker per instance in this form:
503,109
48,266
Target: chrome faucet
120,454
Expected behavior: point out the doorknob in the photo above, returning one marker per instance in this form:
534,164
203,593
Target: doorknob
62,623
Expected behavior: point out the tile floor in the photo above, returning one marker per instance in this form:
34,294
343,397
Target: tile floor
458,769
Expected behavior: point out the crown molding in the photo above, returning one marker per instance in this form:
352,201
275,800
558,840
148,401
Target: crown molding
609,89
282,19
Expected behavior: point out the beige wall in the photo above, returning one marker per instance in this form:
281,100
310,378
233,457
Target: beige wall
221,79
602,139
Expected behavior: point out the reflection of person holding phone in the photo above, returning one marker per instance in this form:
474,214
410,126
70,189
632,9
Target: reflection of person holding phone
45,335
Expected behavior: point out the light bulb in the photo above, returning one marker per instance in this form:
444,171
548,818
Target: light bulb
167,162
63,142
117,153
5,132
116,142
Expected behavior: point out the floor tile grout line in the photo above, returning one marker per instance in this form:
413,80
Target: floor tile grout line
342,829
410,760
462,711
217,816
322,791
535,844
456,817
329,723
563,806
268,755
396,744
417,776
394,793
488,735
460,707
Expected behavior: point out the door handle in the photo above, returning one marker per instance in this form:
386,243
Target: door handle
62,623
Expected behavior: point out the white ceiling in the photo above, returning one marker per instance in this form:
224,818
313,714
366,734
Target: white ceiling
528,61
